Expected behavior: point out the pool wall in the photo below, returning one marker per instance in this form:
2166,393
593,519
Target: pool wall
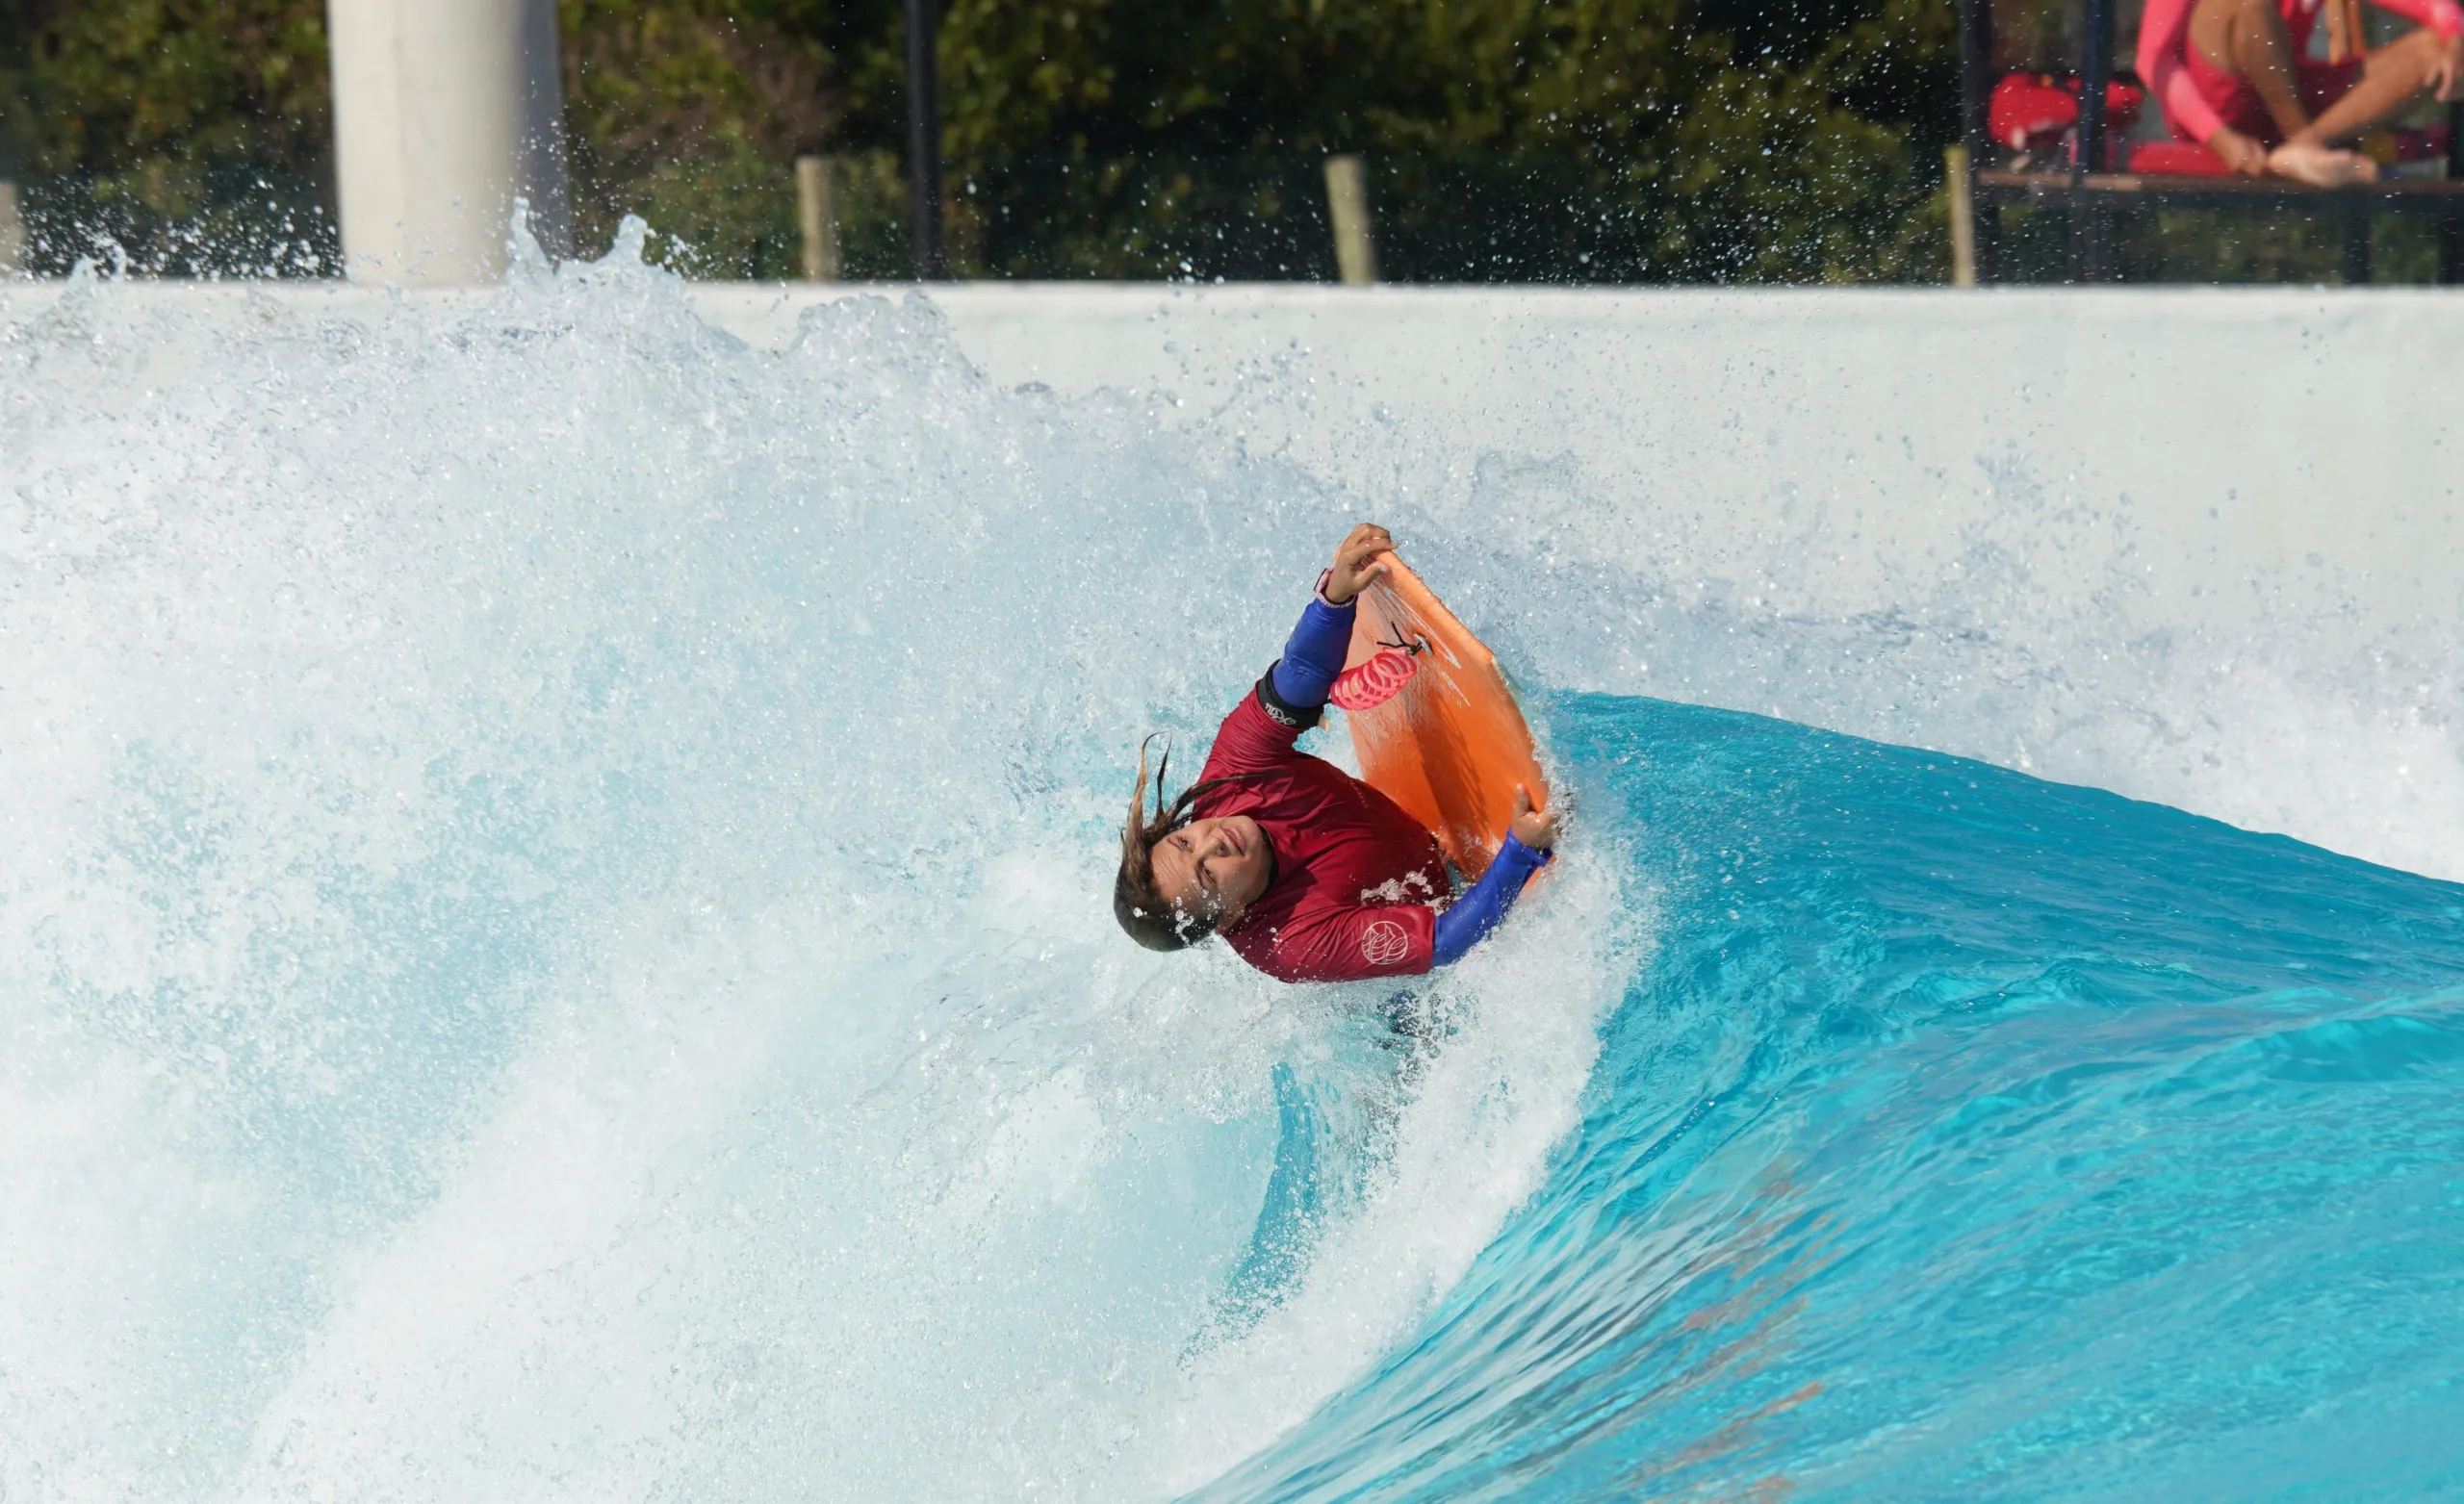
2243,451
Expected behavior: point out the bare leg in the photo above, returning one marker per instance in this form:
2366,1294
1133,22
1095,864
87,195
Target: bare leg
2390,78
2248,38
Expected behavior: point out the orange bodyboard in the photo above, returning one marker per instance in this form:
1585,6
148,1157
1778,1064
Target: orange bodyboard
1451,746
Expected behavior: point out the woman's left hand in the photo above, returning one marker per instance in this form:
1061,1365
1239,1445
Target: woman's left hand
1536,829
2447,74
1353,569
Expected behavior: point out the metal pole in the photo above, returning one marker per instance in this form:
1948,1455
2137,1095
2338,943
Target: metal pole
2356,257
545,171
1976,66
2451,232
2088,225
924,141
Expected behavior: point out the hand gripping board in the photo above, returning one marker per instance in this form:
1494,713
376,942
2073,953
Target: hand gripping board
1451,745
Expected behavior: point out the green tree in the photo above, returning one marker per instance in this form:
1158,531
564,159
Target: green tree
690,113
1558,139
1551,140
195,133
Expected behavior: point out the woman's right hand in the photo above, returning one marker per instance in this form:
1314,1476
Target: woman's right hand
2446,79
1353,569
1536,829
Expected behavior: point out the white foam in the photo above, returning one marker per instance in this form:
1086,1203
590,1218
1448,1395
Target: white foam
561,943
555,940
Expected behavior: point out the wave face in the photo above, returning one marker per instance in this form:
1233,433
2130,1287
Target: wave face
554,944
1966,1136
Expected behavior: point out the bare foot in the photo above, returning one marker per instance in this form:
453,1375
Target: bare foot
2320,166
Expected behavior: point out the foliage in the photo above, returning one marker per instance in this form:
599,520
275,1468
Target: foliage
196,131
1522,139
688,112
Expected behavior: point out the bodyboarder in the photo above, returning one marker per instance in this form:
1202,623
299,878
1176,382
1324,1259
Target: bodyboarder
1309,874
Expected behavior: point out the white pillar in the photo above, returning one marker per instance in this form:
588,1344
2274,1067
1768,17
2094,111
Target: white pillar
443,111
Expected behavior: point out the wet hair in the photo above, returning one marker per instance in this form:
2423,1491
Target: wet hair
1145,915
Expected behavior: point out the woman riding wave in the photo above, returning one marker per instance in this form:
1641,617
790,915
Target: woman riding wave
1309,874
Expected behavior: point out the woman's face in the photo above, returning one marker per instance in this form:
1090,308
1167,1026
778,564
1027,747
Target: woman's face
1214,867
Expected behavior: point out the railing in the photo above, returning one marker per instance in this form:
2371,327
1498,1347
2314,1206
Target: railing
2101,211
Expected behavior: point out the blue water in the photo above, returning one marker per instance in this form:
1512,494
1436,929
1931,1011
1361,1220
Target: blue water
1966,1136
553,946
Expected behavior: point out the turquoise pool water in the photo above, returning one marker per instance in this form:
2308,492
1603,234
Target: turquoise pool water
554,944
1965,1136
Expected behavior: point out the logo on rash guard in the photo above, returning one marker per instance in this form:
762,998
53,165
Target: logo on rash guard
1385,942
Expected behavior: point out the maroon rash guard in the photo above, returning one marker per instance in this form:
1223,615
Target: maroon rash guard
1355,876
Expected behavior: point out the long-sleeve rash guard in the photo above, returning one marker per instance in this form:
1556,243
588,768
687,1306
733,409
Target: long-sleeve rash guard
1483,907
1355,877
2165,37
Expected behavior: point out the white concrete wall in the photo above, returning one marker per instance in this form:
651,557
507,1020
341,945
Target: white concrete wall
445,111
1847,448
2230,440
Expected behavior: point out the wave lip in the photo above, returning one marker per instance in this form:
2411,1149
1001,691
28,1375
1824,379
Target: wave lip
1966,1135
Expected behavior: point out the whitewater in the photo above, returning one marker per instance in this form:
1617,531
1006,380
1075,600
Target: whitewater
555,943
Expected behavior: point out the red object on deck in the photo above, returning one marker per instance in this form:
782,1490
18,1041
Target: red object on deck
2035,112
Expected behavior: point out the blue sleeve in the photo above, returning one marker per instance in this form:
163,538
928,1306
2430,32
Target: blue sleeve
1314,654
1475,913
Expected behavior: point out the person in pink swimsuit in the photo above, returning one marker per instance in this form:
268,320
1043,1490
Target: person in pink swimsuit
2235,75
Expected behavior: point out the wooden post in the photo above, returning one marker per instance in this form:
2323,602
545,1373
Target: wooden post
1963,215
1348,206
924,140
12,229
817,216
